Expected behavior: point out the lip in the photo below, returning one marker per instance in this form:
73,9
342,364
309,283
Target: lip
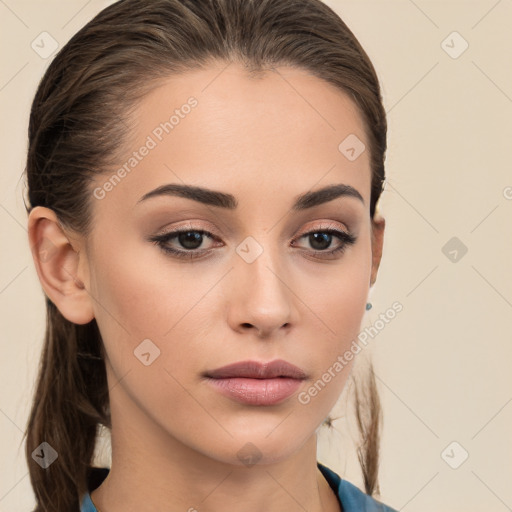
255,383
257,370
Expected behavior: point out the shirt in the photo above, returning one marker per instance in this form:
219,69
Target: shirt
350,497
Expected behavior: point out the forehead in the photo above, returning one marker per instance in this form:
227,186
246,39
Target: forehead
278,132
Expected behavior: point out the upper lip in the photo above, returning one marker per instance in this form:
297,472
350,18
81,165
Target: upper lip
257,370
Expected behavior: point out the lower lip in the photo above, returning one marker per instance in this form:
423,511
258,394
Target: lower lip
256,391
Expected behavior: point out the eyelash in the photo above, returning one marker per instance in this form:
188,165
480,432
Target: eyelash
163,239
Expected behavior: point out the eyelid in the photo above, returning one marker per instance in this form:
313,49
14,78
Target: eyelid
191,225
325,224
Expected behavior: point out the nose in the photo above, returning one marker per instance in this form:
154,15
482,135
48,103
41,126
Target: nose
260,297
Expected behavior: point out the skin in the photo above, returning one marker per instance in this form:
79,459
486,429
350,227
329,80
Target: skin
174,438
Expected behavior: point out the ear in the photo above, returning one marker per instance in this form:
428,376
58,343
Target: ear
57,259
378,225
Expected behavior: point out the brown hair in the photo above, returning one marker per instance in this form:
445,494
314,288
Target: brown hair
78,123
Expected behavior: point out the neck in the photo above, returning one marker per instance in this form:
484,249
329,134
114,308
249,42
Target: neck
294,485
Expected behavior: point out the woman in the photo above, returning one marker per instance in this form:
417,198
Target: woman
203,177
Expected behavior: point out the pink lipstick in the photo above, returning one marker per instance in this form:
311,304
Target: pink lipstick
255,383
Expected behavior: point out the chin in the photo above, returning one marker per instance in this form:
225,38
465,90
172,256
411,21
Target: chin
263,446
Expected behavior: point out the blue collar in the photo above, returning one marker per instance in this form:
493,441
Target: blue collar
350,497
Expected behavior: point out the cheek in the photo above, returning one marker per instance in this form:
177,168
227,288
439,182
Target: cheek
129,282
143,295
337,302
125,298
338,294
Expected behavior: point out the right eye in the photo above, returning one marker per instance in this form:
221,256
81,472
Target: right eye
190,239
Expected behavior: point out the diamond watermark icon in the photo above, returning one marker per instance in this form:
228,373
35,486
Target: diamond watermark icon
249,249
146,352
351,147
44,45
249,454
46,250
454,45
454,249
44,455
454,455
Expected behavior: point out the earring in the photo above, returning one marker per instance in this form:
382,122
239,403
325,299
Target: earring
368,306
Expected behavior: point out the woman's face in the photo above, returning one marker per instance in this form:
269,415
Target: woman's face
267,281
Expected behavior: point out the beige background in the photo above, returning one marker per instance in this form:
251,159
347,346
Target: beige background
443,363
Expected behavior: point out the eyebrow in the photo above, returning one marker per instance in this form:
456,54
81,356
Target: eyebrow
228,201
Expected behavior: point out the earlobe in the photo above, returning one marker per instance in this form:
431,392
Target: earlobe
57,265
378,226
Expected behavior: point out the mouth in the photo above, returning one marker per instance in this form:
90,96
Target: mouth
255,383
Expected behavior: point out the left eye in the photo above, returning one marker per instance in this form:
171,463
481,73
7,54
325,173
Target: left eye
322,239
192,239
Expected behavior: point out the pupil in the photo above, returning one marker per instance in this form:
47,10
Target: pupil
315,237
190,239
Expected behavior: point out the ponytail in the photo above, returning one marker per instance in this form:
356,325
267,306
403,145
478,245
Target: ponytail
70,401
